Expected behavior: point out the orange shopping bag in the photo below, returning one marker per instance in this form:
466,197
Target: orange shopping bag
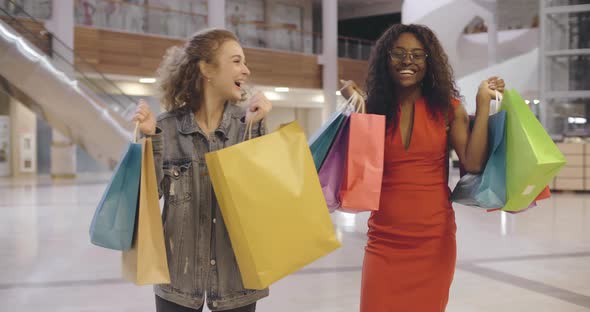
546,193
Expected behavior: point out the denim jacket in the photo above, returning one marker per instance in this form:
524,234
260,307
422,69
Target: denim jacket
200,257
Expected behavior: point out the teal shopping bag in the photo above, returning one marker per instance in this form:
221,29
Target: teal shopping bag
324,139
488,189
321,141
114,219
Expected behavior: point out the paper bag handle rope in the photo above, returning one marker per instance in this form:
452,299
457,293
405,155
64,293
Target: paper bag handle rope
362,106
498,100
351,102
354,98
136,132
248,131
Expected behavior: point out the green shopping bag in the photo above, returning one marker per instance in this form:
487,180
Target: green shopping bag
532,159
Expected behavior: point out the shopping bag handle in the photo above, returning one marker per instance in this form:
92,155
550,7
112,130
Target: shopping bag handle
498,100
362,107
136,132
248,132
350,104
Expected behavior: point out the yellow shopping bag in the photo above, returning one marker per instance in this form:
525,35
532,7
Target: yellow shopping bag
146,262
272,204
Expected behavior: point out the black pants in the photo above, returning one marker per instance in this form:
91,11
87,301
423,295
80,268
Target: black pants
163,305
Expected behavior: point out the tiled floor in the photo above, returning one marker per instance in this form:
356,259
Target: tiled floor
536,261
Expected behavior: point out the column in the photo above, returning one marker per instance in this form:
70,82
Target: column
216,11
493,38
61,24
329,57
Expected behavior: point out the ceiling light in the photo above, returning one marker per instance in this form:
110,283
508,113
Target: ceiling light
272,96
281,89
318,99
147,80
577,120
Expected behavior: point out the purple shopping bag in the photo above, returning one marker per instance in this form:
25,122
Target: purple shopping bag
332,170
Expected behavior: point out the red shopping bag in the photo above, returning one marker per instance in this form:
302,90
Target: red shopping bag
363,169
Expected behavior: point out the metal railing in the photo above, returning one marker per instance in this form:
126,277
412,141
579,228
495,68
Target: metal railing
142,18
354,48
40,9
183,21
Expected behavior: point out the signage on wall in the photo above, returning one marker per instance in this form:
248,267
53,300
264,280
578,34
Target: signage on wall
4,146
27,153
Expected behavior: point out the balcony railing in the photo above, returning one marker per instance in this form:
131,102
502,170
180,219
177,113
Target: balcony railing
191,16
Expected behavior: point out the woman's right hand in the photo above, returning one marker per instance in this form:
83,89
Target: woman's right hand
146,118
348,88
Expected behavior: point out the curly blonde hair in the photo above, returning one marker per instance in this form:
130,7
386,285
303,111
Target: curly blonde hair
180,78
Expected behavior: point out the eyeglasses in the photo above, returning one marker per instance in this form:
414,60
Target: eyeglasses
399,55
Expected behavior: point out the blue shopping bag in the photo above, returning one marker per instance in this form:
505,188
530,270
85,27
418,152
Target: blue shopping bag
321,141
324,138
114,220
487,190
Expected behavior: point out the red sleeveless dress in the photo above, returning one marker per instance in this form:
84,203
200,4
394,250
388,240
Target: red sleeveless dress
411,251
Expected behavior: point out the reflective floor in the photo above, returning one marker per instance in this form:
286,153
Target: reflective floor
536,261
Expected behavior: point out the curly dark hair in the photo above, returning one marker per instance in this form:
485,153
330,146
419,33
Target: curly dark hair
438,86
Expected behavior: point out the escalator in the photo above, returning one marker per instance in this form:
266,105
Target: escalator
43,73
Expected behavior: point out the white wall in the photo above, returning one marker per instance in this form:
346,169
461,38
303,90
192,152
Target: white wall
310,119
467,53
473,54
23,123
521,73
517,54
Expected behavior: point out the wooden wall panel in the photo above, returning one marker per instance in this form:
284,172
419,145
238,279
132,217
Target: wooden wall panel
357,70
120,53
275,68
86,45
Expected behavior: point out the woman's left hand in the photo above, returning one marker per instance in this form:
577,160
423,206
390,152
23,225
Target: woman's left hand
487,89
258,108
